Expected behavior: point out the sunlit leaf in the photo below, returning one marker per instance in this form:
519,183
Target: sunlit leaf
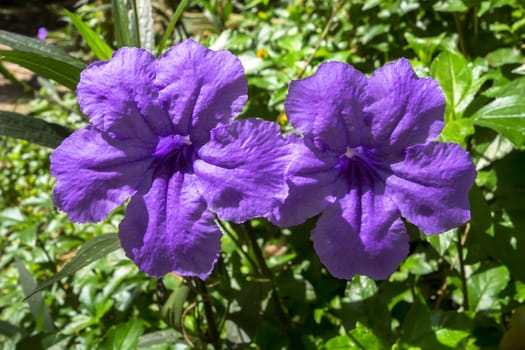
121,22
484,287
62,73
27,44
506,115
98,46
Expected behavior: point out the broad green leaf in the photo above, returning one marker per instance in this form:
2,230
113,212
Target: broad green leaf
32,129
124,336
99,47
62,73
90,252
171,25
143,12
37,305
27,44
508,88
452,72
167,336
458,131
121,22
506,115
503,56
484,287
365,336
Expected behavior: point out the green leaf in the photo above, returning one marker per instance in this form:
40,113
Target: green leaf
452,72
163,337
458,131
506,115
171,26
37,305
124,336
484,287
27,44
365,336
121,21
90,252
62,73
32,129
98,46
174,306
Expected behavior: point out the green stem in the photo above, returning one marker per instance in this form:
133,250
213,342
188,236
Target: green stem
464,288
213,332
236,241
171,26
267,273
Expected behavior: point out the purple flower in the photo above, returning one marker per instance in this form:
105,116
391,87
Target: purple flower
370,160
42,34
161,133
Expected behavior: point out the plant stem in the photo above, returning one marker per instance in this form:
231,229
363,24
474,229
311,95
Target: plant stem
321,38
213,332
267,273
464,288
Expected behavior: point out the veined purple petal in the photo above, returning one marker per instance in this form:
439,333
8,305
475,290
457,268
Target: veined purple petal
403,110
200,88
241,169
313,183
96,173
119,97
430,186
361,234
328,107
169,229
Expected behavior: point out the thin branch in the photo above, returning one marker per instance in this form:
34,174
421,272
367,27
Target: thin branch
321,38
213,332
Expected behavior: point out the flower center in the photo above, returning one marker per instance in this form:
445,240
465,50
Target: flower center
359,164
174,153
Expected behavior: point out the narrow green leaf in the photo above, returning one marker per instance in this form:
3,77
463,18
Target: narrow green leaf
90,252
10,330
62,73
99,47
37,305
484,287
174,307
171,26
121,21
452,72
27,44
32,129
506,115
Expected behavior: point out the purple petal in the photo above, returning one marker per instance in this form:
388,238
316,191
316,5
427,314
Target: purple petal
119,96
241,170
404,110
169,229
430,186
313,183
96,173
328,107
200,88
361,234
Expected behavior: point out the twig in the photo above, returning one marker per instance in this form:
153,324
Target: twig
213,332
323,36
267,273
461,242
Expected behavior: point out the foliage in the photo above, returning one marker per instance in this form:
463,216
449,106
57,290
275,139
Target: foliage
458,290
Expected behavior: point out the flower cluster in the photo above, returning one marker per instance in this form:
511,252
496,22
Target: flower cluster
162,132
